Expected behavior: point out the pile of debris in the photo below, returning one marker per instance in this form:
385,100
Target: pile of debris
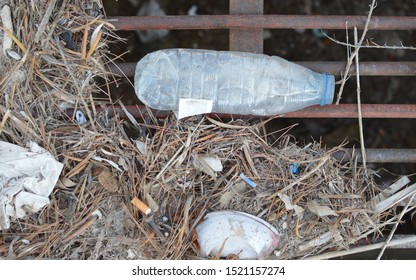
54,61
54,57
314,201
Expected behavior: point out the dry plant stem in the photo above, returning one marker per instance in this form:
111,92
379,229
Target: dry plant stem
360,116
148,236
155,227
395,227
224,125
382,225
373,45
3,121
291,185
48,78
361,249
357,48
45,20
87,224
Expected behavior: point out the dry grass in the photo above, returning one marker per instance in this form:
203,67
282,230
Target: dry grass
64,50
326,200
64,53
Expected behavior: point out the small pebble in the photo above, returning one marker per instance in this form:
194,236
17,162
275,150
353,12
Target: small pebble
277,253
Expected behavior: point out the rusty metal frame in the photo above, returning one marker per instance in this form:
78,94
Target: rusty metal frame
246,40
369,111
262,22
246,23
368,68
378,155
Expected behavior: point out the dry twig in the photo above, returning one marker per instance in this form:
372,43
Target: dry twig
404,211
360,115
356,50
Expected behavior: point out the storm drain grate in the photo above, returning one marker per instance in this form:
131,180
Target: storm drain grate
246,22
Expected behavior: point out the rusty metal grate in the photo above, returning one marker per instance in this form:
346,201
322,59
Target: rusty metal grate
246,23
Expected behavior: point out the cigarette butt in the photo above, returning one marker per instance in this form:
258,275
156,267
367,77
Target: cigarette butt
141,206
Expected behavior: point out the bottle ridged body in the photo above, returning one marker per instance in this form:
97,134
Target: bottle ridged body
237,82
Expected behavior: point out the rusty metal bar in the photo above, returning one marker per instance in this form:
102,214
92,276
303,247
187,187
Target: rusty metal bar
372,154
246,40
373,68
379,155
370,68
262,22
399,111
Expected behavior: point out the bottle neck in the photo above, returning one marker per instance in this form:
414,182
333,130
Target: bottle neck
328,89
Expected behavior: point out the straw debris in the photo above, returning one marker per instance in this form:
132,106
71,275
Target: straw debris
56,63
327,205
53,59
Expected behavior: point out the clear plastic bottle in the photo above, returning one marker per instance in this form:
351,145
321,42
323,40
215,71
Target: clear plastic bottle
236,82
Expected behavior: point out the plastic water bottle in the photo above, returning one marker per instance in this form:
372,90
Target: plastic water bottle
229,82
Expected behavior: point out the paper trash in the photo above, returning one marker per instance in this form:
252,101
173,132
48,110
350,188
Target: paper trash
27,177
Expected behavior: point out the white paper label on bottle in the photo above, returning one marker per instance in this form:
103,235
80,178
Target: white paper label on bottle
190,107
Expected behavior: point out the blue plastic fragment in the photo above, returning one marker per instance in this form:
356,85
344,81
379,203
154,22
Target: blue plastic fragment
247,180
294,168
326,90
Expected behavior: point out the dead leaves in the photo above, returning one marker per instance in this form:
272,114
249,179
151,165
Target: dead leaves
235,190
320,210
108,180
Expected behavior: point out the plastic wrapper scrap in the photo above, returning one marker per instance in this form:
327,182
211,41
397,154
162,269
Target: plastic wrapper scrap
27,178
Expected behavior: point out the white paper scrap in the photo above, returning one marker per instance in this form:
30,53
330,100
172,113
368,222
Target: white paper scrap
80,117
27,178
190,107
213,162
141,146
289,206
